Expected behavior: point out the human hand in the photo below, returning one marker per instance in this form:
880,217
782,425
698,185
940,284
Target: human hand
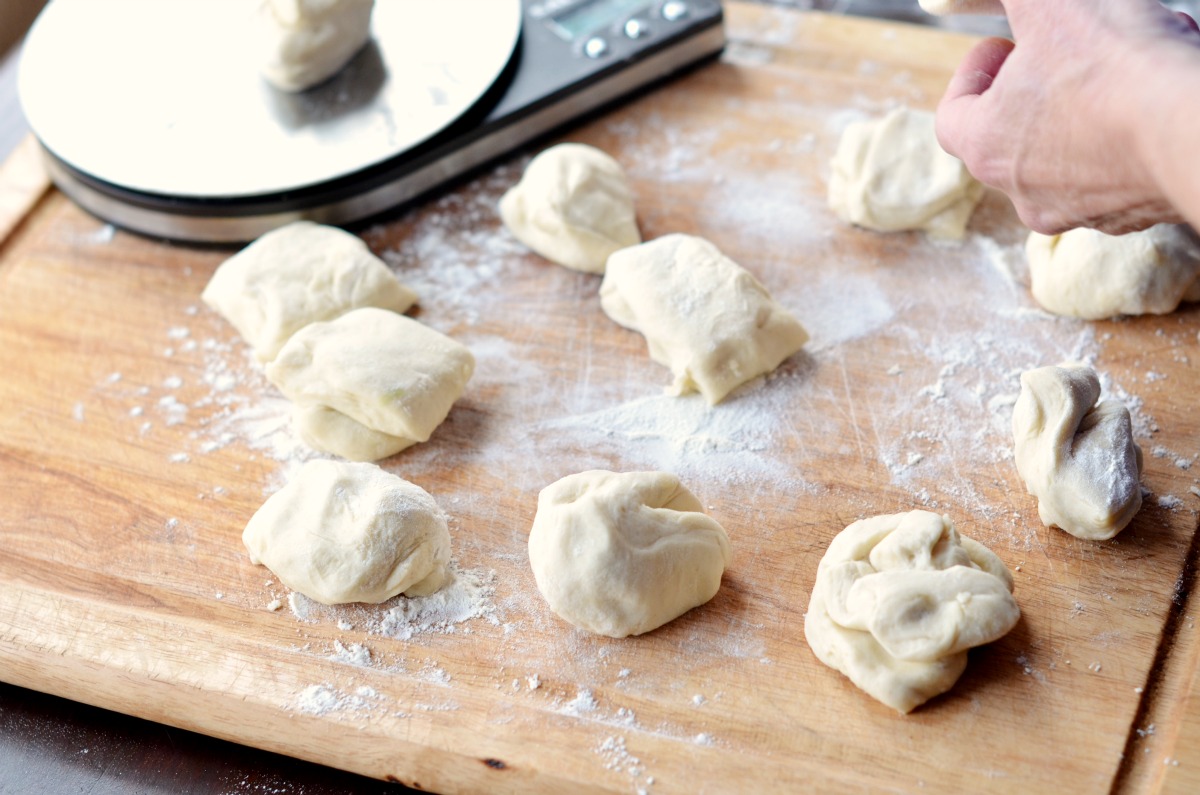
1058,120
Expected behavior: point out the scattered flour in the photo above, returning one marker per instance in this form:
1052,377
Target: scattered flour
353,654
822,309
616,757
728,442
584,702
467,596
325,699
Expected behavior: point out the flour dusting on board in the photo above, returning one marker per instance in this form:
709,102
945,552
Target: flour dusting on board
467,596
685,435
327,700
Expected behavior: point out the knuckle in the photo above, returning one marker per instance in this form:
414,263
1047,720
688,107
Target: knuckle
1040,219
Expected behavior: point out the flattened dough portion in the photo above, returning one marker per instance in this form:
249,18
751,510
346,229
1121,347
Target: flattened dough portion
323,428
891,174
899,599
305,42
296,275
573,206
380,370
1077,456
1088,274
703,315
348,532
620,554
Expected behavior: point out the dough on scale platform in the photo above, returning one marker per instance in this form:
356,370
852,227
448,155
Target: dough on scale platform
305,42
1077,456
299,274
368,375
620,554
343,532
573,206
703,315
1088,274
898,601
891,175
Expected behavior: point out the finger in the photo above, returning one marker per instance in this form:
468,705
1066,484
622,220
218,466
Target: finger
1189,21
973,77
979,68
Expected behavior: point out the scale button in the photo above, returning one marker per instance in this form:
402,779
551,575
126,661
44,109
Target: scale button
674,10
595,47
636,28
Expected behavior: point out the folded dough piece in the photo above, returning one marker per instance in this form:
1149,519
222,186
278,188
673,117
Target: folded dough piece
305,42
573,206
899,599
1077,456
296,275
380,370
891,174
323,428
620,554
703,315
348,532
1088,274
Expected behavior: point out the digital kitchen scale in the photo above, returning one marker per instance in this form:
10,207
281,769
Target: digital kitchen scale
153,115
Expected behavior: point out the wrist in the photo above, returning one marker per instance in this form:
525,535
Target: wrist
1161,124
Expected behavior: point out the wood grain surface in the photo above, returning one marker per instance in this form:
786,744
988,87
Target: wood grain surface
137,438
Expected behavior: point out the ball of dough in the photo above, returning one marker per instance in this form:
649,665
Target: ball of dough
1088,274
622,554
296,275
377,369
349,532
899,599
891,174
305,42
1077,456
704,316
573,206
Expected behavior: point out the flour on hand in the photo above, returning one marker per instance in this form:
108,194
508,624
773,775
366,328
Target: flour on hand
573,206
703,315
620,554
891,175
899,599
350,532
1077,456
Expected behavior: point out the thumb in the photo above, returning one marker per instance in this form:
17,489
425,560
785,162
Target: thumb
973,77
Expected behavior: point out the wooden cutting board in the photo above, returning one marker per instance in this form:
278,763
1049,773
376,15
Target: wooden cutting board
137,438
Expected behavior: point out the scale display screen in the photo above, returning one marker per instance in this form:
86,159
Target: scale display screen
588,17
